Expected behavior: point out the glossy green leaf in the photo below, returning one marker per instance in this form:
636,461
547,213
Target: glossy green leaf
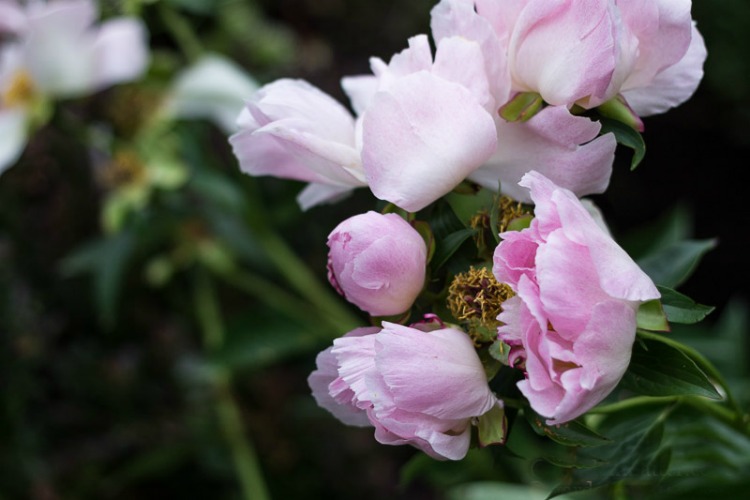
626,136
682,309
634,454
673,264
659,369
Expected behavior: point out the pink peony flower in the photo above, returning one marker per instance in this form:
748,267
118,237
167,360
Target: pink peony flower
415,387
585,52
426,124
293,130
377,262
572,322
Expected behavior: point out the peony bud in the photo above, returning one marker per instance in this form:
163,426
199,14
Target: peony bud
377,262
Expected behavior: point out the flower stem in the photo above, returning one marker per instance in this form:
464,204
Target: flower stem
230,419
182,32
294,270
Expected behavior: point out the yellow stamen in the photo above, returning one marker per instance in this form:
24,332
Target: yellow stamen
20,92
476,298
509,209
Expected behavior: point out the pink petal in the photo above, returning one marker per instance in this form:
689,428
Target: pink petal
452,18
564,50
662,28
408,355
562,147
618,275
603,352
423,137
320,380
673,85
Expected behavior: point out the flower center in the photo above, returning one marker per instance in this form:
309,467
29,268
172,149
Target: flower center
20,92
476,298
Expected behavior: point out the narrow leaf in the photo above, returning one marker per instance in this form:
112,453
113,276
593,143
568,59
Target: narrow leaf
449,245
674,263
680,308
659,369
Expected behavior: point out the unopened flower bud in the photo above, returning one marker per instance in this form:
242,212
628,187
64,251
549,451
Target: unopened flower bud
377,262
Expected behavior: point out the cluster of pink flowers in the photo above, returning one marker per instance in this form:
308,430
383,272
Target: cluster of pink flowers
425,122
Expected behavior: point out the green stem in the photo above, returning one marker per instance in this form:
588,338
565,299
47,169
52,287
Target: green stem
711,408
634,403
294,270
279,299
182,32
230,420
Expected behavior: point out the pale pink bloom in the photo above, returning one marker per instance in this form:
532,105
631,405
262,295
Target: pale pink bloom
572,323
563,147
585,52
415,387
425,124
293,130
331,392
377,262
54,50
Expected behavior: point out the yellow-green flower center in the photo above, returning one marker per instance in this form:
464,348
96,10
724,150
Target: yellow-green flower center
20,92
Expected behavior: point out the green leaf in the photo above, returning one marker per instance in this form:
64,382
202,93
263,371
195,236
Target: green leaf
674,263
633,454
651,316
682,309
259,339
660,369
465,206
572,433
106,260
626,136
522,107
671,227
449,245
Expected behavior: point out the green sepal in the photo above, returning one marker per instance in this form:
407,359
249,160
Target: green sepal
425,231
651,317
493,426
522,107
520,223
627,136
618,109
